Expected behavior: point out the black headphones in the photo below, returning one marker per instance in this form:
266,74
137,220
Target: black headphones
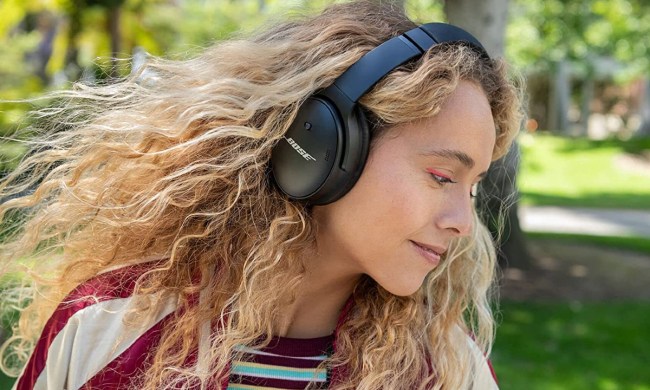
326,147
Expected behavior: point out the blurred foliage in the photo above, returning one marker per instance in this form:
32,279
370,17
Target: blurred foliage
81,43
80,40
543,32
538,34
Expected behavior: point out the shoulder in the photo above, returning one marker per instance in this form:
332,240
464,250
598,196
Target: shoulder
112,284
88,332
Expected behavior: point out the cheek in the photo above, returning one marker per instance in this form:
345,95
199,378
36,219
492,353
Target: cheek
387,203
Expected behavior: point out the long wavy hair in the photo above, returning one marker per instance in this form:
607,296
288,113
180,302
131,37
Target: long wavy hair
171,163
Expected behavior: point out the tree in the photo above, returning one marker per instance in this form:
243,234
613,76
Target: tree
564,39
486,19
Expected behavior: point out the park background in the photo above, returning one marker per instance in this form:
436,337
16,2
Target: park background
575,296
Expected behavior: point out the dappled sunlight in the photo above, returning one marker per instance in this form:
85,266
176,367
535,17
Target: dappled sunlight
578,271
572,270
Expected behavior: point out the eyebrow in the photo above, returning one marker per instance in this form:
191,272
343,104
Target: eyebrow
457,155
451,154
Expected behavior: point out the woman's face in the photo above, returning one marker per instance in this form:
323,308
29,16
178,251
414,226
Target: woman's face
413,197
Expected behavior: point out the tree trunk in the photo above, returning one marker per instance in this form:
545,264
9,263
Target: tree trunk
47,26
559,98
486,19
113,27
644,110
498,206
587,97
71,62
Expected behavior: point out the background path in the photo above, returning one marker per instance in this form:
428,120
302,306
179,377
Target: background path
605,222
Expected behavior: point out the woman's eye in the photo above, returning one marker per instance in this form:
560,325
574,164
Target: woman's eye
439,177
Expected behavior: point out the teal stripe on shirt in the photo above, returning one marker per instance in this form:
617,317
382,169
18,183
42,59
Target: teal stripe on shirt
278,373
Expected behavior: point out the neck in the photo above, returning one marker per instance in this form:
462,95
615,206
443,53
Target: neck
321,296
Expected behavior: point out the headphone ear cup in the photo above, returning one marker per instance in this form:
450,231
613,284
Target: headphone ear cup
319,160
310,150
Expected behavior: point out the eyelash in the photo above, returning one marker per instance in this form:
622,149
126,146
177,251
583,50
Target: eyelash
442,180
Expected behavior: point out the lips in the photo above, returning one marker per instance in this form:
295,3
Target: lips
431,253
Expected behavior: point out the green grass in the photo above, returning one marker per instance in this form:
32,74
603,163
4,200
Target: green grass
6,382
581,173
635,244
554,346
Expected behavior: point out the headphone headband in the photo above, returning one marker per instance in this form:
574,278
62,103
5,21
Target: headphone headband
377,63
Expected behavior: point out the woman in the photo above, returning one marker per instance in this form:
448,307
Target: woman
171,251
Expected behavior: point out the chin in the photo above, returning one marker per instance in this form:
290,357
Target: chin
408,287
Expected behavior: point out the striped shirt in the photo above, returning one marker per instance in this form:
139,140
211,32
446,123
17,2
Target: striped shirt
286,363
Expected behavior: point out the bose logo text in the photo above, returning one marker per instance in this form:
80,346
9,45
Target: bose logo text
300,150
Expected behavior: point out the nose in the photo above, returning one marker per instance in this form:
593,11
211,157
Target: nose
457,217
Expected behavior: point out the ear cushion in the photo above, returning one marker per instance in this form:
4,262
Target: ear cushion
345,175
320,158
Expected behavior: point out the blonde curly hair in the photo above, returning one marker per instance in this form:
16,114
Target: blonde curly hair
171,163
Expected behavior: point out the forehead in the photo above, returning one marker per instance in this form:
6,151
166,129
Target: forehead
464,124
